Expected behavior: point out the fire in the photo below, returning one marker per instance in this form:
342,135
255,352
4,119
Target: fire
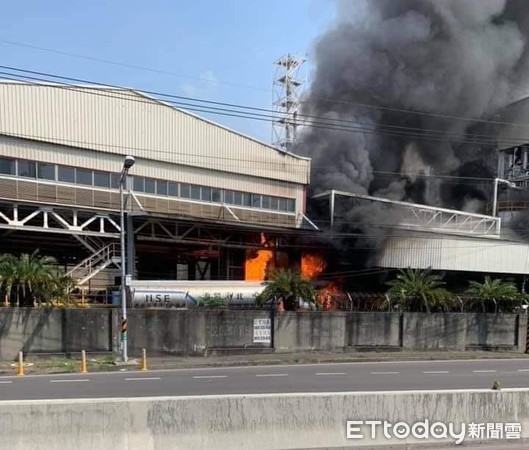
258,262
312,265
328,297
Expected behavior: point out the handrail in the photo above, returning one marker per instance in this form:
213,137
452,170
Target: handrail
513,205
111,250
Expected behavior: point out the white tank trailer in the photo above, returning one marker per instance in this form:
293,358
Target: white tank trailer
187,294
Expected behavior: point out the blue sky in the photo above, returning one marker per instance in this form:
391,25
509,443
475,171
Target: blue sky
233,42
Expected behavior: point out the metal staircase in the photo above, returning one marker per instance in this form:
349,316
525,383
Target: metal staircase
95,263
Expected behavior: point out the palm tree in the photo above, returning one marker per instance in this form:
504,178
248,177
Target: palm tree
8,275
288,286
37,277
493,294
32,278
419,290
59,291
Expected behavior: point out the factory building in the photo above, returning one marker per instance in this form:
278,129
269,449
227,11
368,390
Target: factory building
201,200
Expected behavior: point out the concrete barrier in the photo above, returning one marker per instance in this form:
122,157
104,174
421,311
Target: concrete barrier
251,422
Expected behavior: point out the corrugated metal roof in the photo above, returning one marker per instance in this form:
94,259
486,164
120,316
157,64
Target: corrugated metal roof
121,121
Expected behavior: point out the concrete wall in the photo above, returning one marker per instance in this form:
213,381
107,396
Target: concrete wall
201,332
249,422
434,331
374,330
494,331
191,331
310,331
54,331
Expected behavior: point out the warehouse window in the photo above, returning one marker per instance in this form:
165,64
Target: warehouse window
195,192
246,199
256,200
265,202
114,180
138,184
185,190
216,195
27,168
150,186
237,198
206,194
101,179
228,197
46,171
161,187
66,174
83,176
7,166
173,189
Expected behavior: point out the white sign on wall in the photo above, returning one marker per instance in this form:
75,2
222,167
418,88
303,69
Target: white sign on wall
262,331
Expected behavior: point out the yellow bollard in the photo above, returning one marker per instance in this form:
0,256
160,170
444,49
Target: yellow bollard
144,360
20,371
83,362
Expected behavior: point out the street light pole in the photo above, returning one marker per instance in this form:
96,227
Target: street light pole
127,164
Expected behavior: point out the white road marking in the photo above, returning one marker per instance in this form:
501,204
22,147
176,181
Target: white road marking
5,382
210,376
142,378
483,371
272,375
432,372
385,373
330,373
523,370
69,381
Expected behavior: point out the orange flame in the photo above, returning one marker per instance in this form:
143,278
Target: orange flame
257,262
312,265
327,297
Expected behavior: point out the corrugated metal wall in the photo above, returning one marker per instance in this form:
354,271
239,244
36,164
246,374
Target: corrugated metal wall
455,253
58,154
122,121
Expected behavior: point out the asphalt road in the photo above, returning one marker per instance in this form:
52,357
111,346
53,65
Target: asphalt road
340,377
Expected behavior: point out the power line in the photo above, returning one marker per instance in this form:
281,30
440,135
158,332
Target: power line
130,66
334,124
478,179
328,100
107,94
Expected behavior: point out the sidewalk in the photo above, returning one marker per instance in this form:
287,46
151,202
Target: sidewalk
320,358
42,364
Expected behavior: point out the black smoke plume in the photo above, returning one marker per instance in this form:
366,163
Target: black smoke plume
445,59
